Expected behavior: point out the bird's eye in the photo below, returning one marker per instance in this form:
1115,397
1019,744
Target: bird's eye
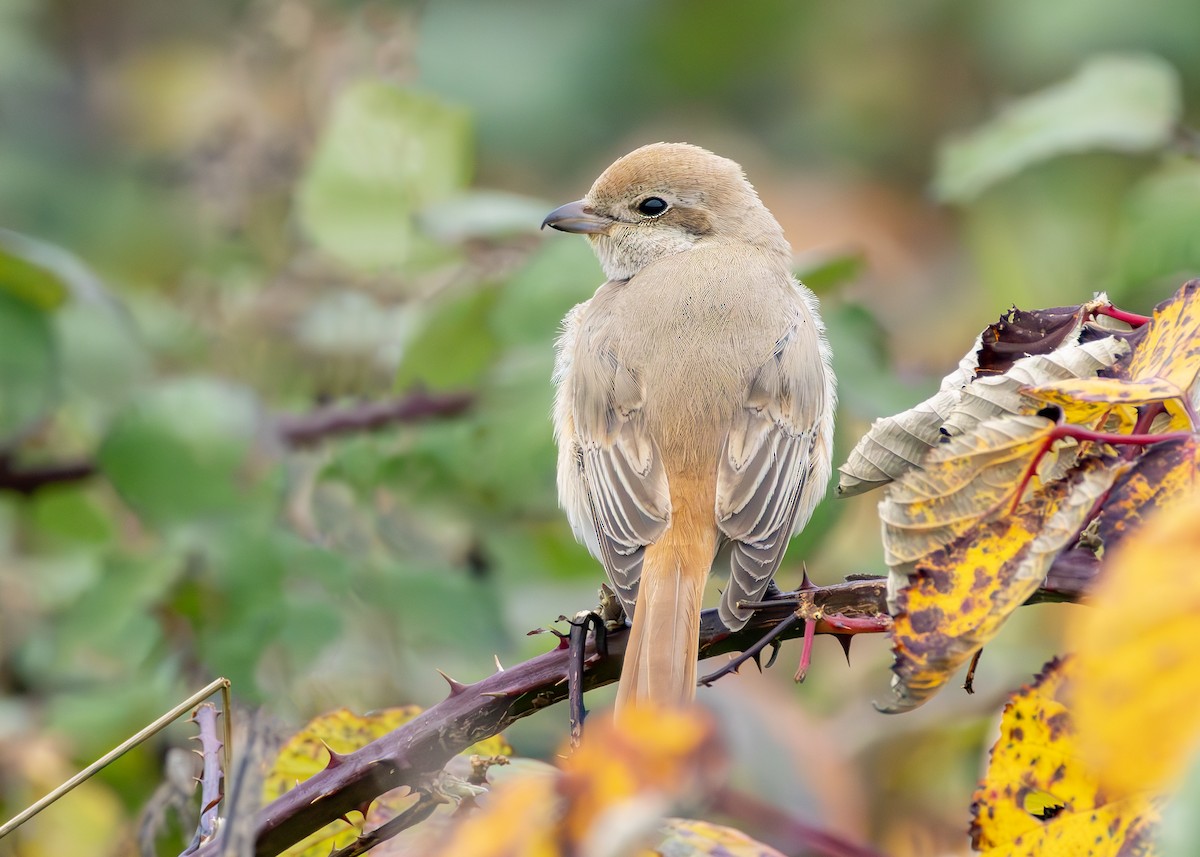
652,206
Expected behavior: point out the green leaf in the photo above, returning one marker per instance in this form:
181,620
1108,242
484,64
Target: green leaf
351,323
531,305
455,345
42,274
1159,242
1124,103
482,214
28,367
385,153
821,271
190,451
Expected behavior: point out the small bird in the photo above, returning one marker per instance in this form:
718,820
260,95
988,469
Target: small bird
695,402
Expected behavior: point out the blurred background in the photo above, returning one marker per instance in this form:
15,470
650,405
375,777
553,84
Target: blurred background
219,213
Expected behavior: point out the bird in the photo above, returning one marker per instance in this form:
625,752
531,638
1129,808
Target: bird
694,402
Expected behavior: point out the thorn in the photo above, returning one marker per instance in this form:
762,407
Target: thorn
805,583
335,758
845,640
776,646
499,666
363,808
199,753
456,687
553,631
758,661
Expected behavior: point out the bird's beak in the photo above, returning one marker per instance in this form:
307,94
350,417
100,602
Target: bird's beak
576,217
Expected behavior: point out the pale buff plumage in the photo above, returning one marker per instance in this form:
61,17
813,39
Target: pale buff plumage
695,403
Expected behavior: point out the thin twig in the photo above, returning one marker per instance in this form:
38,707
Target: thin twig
969,681
295,430
335,420
29,480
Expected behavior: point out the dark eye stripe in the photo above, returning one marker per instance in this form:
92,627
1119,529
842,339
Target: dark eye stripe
652,206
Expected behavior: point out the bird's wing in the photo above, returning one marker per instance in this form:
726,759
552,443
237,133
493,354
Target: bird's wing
610,472
776,460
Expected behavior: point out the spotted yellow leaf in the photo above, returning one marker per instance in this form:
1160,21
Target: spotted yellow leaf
963,593
1040,798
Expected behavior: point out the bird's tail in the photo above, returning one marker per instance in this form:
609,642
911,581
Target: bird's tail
660,657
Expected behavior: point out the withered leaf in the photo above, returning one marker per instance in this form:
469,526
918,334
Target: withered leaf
1022,348
1020,333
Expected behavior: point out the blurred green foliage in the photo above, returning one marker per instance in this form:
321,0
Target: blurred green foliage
217,212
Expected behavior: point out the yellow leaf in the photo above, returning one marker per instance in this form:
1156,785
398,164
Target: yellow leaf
1038,798
1139,665
962,594
307,753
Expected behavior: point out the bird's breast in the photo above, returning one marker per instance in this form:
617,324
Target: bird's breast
693,331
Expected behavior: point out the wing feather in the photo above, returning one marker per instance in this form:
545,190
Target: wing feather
776,459
611,476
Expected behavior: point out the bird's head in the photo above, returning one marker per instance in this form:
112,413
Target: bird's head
664,199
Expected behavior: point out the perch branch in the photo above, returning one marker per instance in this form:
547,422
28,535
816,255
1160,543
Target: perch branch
476,711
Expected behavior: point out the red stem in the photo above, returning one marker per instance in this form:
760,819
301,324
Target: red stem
1130,318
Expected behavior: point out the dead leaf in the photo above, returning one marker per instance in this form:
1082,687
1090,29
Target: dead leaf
1039,798
1023,348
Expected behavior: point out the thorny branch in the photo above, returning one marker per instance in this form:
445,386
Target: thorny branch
295,430
472,712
